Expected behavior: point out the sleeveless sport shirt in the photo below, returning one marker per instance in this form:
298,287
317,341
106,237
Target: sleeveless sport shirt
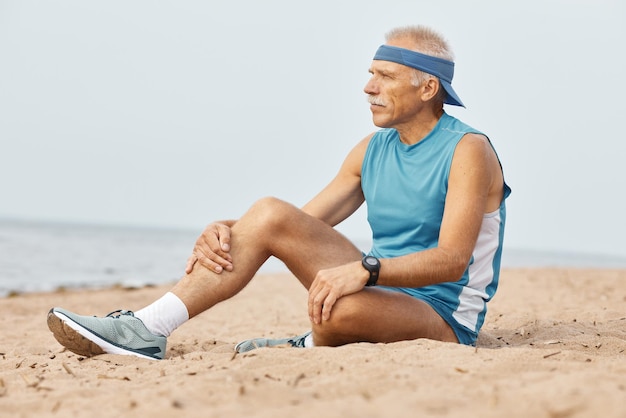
405,189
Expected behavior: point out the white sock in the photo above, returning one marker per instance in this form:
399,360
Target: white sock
308,341
164,315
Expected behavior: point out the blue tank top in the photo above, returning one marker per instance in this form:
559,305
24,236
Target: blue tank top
405,189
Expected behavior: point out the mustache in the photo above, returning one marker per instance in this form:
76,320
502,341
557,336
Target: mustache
375,100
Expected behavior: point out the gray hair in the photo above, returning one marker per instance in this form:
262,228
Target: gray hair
426,41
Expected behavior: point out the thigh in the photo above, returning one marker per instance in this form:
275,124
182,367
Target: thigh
304,243
379,315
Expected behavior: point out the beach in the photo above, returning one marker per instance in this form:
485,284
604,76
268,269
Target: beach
553,345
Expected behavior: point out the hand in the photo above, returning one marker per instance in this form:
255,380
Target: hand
331,284
212,249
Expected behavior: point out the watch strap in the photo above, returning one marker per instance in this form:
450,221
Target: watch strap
373,269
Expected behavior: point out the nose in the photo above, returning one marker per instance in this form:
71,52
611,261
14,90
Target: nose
371,87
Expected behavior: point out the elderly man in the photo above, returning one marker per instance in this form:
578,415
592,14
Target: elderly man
435,197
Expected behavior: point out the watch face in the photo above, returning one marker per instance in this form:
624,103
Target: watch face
371,261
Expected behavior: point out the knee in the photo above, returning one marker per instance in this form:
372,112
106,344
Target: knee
341,328
271,212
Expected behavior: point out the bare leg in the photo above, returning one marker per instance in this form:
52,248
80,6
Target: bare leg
379,315
307,245
271,227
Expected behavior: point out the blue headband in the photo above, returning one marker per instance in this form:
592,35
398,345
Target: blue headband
439,67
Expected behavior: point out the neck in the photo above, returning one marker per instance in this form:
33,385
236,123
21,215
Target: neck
416,130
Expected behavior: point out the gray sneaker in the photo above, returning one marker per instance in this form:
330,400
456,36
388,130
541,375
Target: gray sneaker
118,333
255,343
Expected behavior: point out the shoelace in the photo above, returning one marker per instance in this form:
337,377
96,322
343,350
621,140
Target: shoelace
120,312
298,342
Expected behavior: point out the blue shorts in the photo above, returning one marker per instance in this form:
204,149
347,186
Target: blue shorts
463,334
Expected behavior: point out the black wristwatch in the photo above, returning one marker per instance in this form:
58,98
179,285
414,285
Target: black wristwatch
371,264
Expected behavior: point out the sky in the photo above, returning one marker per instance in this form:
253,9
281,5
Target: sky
176,113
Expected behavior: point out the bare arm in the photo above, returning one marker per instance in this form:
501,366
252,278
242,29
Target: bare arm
343,195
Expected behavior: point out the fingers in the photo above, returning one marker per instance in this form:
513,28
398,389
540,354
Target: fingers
205,262
327,306
212,249
321,301
316,303
320,306
331,284
191,261
223,235
215,260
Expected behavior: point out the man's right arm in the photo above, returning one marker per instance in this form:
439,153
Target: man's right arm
343,195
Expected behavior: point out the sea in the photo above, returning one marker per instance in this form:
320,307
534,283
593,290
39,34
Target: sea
47,256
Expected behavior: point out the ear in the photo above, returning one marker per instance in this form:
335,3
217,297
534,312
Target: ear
430,89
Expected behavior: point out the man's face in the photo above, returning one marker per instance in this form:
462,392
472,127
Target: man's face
394,100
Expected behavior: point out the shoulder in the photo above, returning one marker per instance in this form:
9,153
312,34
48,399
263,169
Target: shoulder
475,163
362,146
354,160
473,148
474,139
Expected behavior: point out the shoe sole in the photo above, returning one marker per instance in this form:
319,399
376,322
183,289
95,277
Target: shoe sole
81,341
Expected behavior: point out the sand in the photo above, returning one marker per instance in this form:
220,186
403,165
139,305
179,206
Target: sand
553,345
